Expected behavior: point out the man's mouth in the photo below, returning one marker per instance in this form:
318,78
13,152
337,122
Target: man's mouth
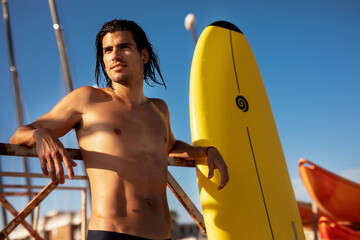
117,66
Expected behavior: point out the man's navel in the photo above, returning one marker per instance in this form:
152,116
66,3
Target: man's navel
149,202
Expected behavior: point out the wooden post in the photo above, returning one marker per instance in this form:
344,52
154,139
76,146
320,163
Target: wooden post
27,210
21,150
13,211
83,214
36,175
186,202
36,215
18,194
36,218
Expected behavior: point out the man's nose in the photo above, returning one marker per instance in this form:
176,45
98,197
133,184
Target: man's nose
116,54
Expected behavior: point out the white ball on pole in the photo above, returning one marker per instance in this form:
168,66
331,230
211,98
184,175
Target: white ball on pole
189,21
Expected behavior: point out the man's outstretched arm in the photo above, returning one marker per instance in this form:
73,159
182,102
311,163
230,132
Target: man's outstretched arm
45,131
181,149
214,159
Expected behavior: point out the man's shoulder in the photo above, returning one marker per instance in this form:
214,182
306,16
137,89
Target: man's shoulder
89,90
89,93
157,101
161,104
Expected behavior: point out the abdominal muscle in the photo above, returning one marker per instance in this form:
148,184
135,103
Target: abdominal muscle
129,195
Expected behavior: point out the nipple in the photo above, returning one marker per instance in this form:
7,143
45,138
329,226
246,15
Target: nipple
117,131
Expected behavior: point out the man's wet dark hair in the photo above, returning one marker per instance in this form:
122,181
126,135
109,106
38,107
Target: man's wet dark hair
141,41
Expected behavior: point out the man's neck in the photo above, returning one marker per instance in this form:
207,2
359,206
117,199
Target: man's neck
132,96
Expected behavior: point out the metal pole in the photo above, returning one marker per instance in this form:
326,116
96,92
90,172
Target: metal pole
193,31
3,212
315,220
15,81
63,56
190,25
61,46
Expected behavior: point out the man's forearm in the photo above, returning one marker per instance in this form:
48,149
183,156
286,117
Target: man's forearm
187,151
24,135
50,150
214,158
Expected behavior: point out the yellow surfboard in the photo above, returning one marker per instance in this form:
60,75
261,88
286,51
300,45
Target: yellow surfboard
229,109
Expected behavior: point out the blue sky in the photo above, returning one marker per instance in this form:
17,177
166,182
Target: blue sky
308,53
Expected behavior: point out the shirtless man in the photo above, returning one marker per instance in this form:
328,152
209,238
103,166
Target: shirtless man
124,138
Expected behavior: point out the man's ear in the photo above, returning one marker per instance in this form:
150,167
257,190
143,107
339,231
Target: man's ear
145,55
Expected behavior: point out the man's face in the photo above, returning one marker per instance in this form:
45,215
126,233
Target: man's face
123,62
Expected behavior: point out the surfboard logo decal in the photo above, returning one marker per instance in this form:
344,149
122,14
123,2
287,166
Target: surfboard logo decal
242,103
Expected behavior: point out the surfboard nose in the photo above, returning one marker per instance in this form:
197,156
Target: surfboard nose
227,25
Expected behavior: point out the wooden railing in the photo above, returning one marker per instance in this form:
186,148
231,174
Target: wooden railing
20,150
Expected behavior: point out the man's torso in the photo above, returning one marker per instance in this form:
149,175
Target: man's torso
125,154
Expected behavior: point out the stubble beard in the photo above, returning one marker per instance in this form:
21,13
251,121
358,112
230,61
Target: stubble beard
123,80
127,80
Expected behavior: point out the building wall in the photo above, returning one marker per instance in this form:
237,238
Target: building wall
63,233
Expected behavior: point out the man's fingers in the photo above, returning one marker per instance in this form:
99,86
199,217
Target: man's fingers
69,163
54,165
224,178
211,170
51,168
57,157
43,165
224,181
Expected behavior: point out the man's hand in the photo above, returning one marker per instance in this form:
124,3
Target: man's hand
52,153
215,161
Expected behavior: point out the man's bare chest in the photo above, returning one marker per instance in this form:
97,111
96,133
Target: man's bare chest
108,118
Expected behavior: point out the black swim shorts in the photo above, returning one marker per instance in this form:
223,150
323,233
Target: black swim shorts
106,235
